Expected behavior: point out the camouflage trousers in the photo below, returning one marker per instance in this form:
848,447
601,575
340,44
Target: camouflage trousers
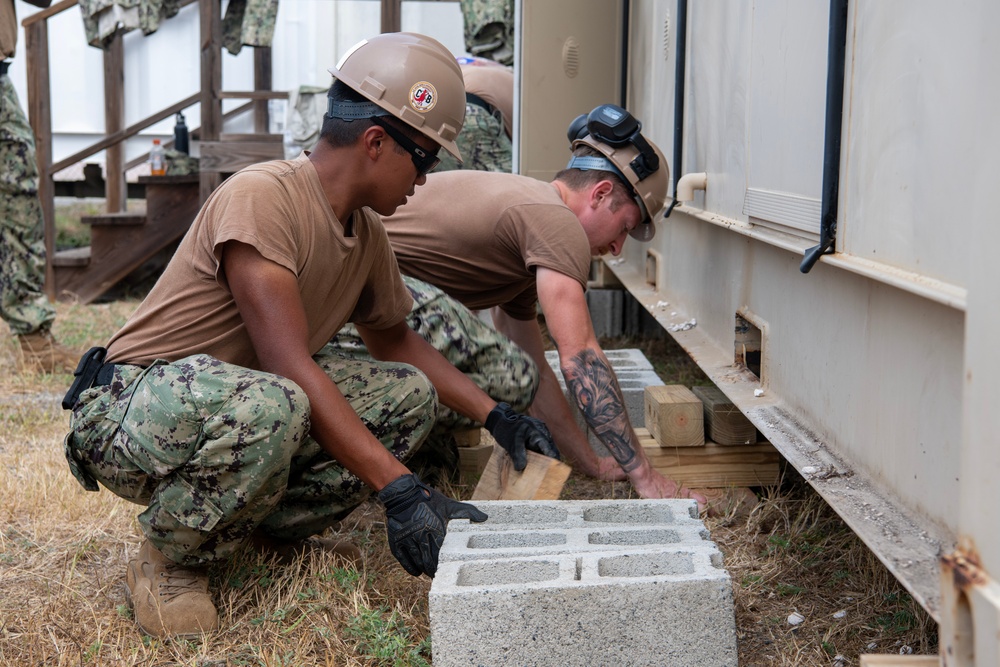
23,304
217,452
482,142
488,27
491,360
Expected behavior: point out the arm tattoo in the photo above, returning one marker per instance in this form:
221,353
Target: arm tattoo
595,387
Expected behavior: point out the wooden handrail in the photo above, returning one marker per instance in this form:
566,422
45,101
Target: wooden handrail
252,95
60,7
195,135
44,14
129,131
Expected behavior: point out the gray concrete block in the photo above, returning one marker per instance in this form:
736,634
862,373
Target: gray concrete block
606,311
517,529
634,373
632,582
629,359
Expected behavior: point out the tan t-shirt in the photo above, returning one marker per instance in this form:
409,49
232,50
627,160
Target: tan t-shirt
281,210
495,84
480,236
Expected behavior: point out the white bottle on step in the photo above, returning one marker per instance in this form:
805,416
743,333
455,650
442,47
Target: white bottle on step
157,161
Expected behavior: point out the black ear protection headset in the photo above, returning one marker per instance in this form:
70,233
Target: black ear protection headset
615,126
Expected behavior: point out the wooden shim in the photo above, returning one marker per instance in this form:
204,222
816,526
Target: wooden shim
542,479
714,465
472,460
468,437
674,416
724,423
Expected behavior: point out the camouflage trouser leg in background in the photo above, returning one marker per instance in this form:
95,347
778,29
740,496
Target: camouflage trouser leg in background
482,142
489,29
217,451
497,365
23,304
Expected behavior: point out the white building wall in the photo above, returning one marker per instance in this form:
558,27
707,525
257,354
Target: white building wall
164,67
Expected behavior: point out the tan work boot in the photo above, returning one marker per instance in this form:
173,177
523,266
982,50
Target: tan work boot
41,353
168,600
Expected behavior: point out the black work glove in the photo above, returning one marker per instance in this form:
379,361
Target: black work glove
516,432
416,521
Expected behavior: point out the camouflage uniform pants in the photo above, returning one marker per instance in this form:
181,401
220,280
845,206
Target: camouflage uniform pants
217,452
489,29
23,304
482,142
498,366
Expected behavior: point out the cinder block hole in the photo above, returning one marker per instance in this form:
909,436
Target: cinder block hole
631,513
634,537
526,513
578,574
645,565
515,540
748,345
716,560
492,572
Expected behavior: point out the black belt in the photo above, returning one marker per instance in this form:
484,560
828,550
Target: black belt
92,371
3,67
472,98
105,375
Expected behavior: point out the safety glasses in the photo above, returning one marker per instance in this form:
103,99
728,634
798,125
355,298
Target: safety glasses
422,160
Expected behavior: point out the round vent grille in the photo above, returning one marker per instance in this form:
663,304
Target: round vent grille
571,57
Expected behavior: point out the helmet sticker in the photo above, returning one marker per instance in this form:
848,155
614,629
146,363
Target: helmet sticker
423,96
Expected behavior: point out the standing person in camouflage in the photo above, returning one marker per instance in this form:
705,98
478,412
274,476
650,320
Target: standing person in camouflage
485,138
23,304
489,29
219,406
515,244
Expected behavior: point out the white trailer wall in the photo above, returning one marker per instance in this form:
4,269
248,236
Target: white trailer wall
863,358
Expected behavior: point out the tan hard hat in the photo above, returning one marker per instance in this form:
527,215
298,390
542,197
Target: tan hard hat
650,192
414,78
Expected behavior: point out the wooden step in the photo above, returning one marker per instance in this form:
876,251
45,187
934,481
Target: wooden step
72,257
121,219
122,242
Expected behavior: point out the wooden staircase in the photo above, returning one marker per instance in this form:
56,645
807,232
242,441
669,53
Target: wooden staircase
123,242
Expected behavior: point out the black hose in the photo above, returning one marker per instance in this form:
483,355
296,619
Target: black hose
680,66
836,50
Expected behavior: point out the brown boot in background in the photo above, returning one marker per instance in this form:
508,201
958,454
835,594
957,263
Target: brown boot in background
285,553
168,600
41,353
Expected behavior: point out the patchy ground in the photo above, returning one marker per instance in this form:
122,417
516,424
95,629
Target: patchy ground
63,553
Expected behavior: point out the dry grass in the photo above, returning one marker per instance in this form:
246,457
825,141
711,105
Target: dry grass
63,553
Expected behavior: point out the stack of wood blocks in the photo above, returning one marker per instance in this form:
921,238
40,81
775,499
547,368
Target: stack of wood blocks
699,438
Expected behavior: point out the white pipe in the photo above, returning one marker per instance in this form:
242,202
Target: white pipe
689,183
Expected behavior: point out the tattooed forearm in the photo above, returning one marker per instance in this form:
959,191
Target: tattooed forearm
592,382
